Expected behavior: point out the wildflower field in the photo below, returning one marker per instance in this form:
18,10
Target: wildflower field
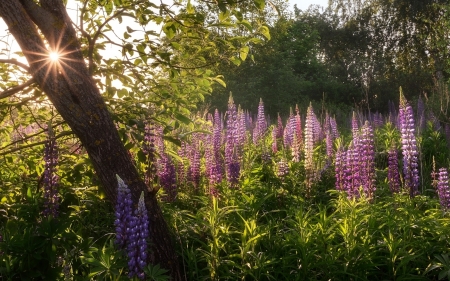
314,196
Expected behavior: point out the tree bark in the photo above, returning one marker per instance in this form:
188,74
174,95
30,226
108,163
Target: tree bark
73,92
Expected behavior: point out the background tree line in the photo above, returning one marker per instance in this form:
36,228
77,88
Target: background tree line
354,52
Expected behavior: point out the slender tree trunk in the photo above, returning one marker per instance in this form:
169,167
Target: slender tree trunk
74,94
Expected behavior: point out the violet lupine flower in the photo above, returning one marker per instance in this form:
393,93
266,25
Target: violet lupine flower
279,128
261,124
295,149
367,166
217,170
328,137
309,146
241,136
137,241
282,169
231,149
123,213
51,195
353,169
334,129
297,140
274,140
298,127
149,149
355,127
181,167
194,168
393,173
168,177
289,130
317,129
409,147
443,189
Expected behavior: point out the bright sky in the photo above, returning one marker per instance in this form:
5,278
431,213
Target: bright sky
304,4
301,4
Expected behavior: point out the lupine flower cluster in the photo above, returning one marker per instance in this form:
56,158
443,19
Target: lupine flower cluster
355,167
354,163
232,148
165,170
409,147
310,132
261,124
51,195
149,150
132,231
393,174
443,189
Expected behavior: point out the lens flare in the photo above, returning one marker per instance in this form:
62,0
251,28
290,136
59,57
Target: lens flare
53,56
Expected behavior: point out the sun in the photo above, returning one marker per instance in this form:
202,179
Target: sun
53,56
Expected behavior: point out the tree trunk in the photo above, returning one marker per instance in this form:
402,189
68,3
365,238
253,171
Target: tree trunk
73,92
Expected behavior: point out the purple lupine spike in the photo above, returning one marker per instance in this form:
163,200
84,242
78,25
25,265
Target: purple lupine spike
298,129
339,166
443,189
149,149
231,149
334,129
50,179
241,136
328,137
409,147
261,124
355,127
213,157
289,130
137,241
123,213
279,130
309,147
295,149
329,144
367,166
353,173
274,140
181,167
167,177
317,129
282,169
194,168
393,174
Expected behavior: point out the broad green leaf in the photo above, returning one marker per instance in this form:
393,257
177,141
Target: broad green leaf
169,29
265,31
244,52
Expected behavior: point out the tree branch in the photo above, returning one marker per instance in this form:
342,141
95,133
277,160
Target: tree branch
67,133
14,61
11,91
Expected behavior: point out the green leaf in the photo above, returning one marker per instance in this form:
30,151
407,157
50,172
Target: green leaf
235,60
243,52
109,7
184,119
156,273
169,29
246,24
265,31
260,4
